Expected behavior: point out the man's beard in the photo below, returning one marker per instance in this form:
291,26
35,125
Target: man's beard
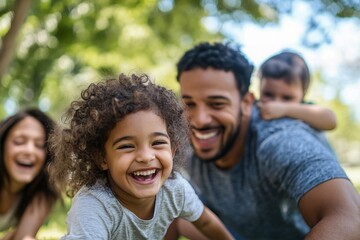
228,145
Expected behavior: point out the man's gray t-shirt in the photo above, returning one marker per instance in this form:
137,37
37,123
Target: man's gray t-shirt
258,197
96,213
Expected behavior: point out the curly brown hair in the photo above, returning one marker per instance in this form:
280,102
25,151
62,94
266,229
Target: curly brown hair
79,148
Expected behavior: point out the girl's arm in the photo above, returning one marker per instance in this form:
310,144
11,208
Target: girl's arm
211,226
316,116
33,217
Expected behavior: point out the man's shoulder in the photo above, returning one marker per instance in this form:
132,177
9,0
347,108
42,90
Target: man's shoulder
267,128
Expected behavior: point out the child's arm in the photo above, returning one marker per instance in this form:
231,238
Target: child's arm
316,116
211,226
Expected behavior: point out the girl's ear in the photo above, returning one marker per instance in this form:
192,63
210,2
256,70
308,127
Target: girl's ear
173,151
103,165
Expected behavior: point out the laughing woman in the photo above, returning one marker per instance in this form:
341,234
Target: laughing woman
26,197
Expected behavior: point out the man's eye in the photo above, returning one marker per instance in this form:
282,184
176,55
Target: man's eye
217,105
189,104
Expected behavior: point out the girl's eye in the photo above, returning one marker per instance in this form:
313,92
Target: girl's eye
268,94
288,98
159,142
125,146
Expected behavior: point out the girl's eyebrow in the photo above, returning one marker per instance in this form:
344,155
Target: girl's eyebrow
161,134
130,137
121,139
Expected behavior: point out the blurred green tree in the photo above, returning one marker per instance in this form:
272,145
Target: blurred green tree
51,48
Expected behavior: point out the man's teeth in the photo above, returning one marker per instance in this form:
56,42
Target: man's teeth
204,136
144,173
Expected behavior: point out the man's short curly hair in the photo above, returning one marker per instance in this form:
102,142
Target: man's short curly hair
79,149
218,56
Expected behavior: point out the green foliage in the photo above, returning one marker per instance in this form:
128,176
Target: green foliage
344,138
81,41
64,45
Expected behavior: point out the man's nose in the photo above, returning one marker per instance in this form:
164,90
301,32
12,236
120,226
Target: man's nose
200,117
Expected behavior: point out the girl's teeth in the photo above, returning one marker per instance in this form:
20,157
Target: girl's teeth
144,173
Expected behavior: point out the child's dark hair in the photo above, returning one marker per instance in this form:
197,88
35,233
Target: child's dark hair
218,56
288,66
79,149
41,183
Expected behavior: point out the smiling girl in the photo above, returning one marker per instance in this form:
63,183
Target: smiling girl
117,158
284,81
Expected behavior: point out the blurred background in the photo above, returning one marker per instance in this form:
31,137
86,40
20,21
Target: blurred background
50,49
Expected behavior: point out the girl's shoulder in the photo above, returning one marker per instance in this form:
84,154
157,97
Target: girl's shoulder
177,184
99,190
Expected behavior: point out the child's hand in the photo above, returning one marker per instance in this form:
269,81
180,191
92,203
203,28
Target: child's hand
272,110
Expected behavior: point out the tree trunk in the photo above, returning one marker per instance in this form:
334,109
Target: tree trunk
9,41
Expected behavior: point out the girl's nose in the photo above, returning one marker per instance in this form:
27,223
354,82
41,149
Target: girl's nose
145,156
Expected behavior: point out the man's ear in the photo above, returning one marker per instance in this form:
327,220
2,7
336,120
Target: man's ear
247,103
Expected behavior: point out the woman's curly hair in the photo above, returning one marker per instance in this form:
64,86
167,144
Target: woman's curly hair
79,148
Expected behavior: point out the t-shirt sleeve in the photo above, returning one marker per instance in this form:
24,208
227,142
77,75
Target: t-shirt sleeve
295,161
87,219
192,206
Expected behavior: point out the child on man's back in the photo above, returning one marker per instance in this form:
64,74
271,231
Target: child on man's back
117,156
284,81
